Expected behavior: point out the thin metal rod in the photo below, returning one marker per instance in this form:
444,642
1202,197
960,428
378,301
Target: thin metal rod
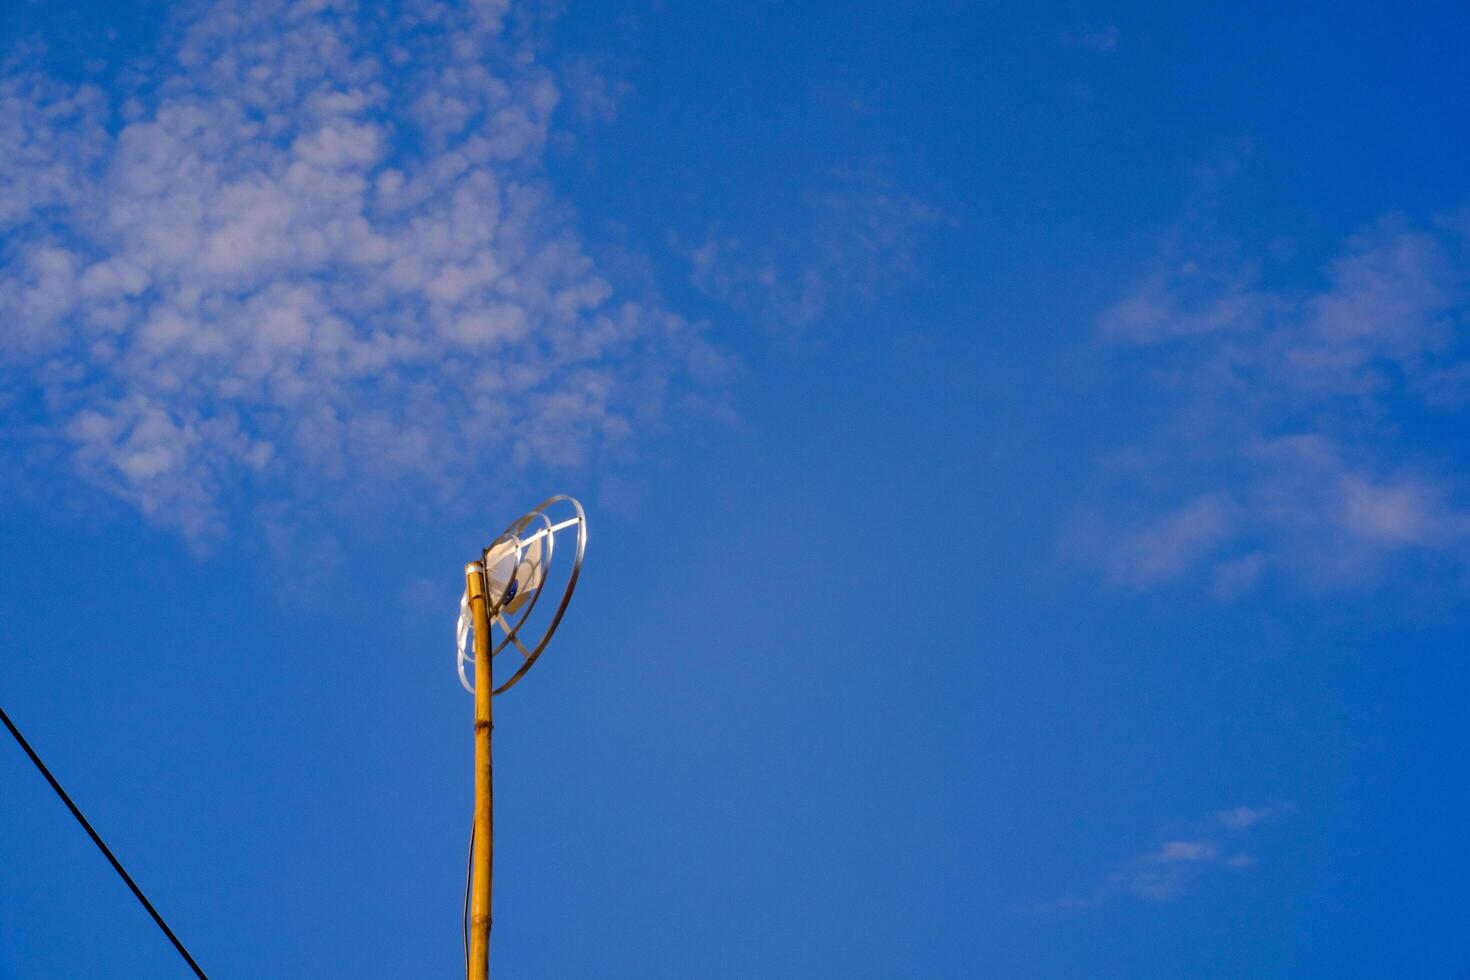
482,856
526,542
106,851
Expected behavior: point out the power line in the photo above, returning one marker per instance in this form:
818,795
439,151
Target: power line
116,865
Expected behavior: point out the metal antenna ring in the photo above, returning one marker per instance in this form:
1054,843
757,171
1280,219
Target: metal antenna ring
539,574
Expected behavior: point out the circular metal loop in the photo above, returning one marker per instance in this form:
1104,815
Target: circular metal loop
496,616
542,544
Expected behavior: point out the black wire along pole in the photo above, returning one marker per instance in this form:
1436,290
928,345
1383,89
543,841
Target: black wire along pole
106,852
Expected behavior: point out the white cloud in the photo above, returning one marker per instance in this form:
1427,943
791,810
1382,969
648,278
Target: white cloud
1162,547
50,135
310,251
1177,864
1174,851
1244,817
1098,40
857,236
1313,428
594,95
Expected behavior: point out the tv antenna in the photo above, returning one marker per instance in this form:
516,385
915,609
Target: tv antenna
502,591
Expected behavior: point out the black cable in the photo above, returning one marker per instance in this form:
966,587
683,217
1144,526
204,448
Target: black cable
116,866
469,872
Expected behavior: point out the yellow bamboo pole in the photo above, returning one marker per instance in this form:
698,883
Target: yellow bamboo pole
484,843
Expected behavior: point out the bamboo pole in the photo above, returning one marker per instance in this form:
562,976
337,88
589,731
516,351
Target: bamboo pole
484,842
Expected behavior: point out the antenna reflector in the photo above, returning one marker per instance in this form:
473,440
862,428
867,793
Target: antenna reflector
520,572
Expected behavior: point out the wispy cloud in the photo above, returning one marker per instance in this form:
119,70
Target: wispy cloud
312,251
1312,426
1181,859
594,95
856,237
1245,817
1099,40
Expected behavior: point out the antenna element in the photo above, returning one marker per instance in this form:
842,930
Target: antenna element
502,592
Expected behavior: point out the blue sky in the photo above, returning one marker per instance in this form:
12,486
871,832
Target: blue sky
1022,443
